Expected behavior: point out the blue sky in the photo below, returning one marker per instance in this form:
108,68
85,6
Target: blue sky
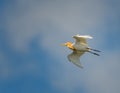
32,59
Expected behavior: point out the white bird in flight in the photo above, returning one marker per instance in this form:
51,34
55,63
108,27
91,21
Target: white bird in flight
79,48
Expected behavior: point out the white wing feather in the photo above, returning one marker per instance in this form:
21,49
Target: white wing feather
74,57
82,38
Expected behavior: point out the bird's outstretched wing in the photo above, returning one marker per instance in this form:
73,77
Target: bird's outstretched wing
74,57
82,38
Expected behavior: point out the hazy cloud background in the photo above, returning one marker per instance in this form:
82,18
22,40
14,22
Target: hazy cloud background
32,59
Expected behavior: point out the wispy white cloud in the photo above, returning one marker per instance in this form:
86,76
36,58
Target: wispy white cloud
71,18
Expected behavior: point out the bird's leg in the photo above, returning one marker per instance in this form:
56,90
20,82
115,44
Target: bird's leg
95,50
93,53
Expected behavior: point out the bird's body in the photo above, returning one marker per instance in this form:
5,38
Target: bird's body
79,48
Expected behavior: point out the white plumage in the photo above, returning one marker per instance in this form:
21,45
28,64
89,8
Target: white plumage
79,48
74,57
81,42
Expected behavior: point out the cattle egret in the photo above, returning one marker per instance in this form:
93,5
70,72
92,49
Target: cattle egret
79,48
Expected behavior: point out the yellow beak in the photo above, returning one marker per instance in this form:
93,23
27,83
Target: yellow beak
63,44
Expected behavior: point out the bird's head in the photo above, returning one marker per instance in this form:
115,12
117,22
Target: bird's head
67,44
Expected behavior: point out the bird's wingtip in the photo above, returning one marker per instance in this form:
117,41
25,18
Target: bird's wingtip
83,36
90,37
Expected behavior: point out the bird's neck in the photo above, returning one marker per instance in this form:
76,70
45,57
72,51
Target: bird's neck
70,46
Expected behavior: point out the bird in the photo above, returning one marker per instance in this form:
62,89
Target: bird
79,47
